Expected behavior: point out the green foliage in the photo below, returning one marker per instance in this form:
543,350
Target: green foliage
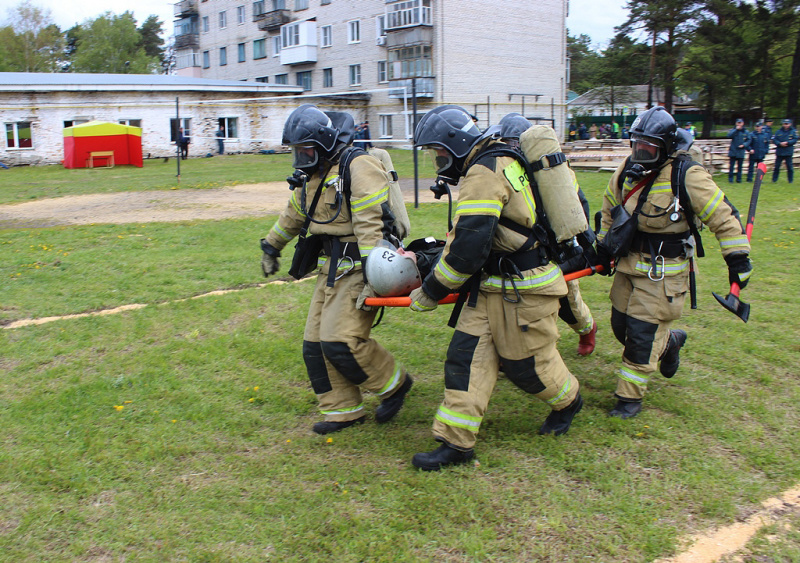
32,42
113,44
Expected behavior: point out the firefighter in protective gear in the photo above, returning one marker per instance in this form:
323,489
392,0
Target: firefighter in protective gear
514,303
572,310
651,281
340,357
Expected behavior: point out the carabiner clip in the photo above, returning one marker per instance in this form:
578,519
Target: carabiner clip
342,259
654,268
505,275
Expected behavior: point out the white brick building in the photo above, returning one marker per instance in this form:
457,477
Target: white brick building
36,107
489,57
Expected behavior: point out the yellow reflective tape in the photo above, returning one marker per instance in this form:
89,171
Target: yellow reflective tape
479,207
370,200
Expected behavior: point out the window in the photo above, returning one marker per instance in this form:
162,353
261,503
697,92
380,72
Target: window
258,7
327,78
73,122
412,12
206,26
206,59
380,26
410,62
385,125
323,2
290,35
259,48
383,75
174,126
354,31
264,79
240,15
276,45
132,122
355,75
240,53
327,36
304,79
300,5
229,126
223,56
278,4
19,135
223,19
281,79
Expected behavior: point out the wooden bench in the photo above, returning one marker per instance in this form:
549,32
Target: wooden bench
107,155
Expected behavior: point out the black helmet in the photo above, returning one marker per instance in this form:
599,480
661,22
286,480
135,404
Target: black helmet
684,140
450,128
513,125
313,136
653,137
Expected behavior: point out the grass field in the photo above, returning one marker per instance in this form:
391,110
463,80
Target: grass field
181,431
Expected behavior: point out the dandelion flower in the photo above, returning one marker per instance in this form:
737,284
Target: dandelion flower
118,407
251,399
256,388
329,440
289,441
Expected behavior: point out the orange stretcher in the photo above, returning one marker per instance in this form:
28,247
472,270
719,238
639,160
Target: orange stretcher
405,300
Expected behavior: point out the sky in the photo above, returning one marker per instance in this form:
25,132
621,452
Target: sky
595,18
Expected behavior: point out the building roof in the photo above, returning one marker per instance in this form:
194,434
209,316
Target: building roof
85,82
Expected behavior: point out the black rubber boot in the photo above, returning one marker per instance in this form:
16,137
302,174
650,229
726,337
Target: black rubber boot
558,422
390,406
626,408
443,456
328,426
672,355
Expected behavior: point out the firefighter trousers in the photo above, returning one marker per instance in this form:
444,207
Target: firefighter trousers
574,311
523,336
340,357
641,314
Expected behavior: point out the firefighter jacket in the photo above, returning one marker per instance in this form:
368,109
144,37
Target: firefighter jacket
740,142
494,187
785,135
365,221
657,229
759,144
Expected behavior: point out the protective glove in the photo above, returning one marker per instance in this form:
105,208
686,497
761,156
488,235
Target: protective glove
739,268
421,302
604,259
269,260
366,292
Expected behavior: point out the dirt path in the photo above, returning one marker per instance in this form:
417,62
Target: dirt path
248,200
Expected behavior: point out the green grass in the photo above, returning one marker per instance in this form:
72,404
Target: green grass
29,183
211,457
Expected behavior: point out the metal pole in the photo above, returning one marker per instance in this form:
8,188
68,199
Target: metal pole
413,147
178,137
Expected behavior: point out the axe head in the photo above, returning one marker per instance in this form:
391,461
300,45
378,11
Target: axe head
735,305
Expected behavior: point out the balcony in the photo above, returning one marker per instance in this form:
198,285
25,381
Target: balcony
425,88
187,61
272,20
186,8
410,13
187,40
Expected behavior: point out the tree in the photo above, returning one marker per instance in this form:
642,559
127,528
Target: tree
667,23
112,44
151,31
32,43
583,63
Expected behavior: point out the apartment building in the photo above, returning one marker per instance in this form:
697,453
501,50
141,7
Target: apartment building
491,58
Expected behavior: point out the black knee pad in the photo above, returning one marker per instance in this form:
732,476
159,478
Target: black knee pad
522,373
639,342
342,358
619,324
565,311
315,366
459,358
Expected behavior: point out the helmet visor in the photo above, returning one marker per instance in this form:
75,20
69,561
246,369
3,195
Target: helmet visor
442,159
644,151
305,157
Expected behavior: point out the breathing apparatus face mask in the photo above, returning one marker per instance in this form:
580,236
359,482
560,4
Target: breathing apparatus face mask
644,152
306,158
